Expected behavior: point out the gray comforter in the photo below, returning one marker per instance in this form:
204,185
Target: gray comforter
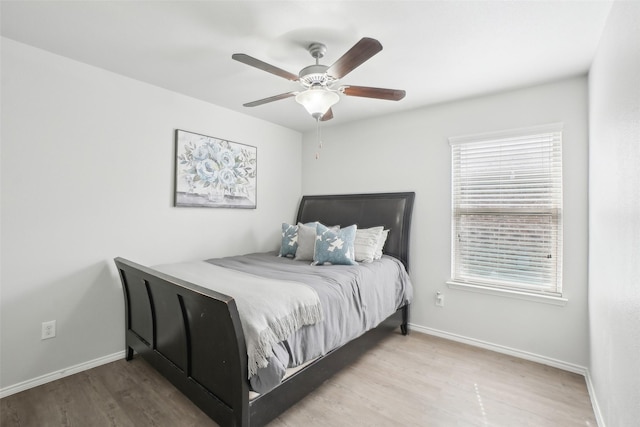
354,298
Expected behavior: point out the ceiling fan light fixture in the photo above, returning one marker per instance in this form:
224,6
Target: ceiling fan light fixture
318,81
317,100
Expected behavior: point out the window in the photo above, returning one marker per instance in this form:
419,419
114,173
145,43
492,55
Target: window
507,210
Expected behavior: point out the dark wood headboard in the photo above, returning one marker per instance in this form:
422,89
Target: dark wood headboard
391,210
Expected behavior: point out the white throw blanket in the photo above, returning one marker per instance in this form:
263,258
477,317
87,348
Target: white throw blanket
270,310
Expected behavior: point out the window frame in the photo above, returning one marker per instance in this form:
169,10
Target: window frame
460,279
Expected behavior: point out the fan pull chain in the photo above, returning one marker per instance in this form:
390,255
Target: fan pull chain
318,138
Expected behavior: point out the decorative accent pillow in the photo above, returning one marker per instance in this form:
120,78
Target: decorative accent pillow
381,242
306,241
334,247
366,243
289,240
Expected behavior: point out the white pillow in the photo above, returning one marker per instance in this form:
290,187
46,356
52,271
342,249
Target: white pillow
366,243
381,242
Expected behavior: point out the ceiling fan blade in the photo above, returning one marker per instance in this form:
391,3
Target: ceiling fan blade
357,55
250,60
327,116
374,92
270,99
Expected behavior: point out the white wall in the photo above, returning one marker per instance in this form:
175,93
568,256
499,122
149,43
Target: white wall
614,218
410,152
87,175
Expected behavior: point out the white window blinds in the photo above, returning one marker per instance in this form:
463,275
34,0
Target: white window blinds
507,210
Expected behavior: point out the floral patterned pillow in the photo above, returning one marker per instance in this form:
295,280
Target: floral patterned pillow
289,240
335,247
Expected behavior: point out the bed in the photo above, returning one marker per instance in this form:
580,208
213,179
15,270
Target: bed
194,337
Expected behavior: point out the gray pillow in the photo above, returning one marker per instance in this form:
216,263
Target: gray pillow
306,241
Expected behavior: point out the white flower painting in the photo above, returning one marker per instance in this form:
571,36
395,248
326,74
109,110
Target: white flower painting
212,172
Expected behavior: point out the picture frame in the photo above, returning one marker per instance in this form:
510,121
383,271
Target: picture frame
214,173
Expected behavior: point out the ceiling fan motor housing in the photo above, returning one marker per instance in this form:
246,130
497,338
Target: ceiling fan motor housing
315,75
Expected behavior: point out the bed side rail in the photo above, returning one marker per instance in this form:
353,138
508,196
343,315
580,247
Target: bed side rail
192,335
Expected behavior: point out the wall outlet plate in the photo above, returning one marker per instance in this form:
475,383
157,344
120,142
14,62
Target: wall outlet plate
48,329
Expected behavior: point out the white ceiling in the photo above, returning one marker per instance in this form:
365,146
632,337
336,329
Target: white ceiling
435,50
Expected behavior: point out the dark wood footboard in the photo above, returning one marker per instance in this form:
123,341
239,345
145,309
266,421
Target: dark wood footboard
192,336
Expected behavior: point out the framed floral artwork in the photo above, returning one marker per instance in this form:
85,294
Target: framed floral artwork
214,173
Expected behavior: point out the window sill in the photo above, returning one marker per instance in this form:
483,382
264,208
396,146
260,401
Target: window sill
545,299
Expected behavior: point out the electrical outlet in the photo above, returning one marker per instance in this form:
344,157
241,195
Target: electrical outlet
48,329
439,299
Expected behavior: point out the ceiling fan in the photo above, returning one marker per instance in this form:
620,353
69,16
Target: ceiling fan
319,81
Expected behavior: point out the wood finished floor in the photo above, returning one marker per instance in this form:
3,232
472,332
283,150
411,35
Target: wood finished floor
418,380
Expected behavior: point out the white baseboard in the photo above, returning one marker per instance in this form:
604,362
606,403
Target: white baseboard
577,369
47,378
594,400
